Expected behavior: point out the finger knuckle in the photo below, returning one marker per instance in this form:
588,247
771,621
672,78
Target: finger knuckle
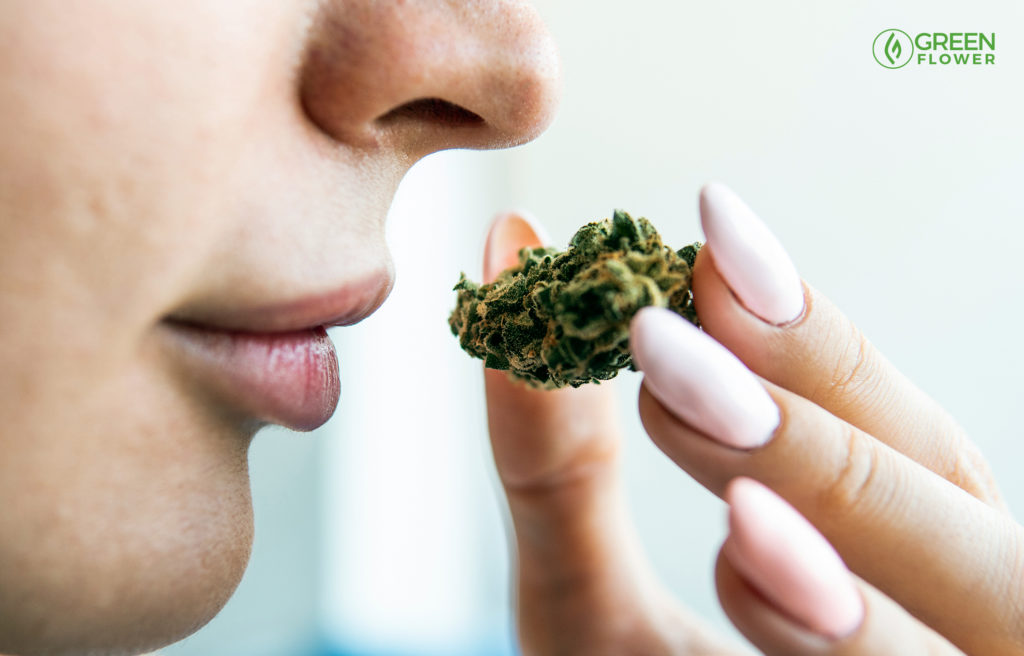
854,372
852,485
851,364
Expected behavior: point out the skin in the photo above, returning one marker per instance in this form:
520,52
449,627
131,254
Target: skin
169,158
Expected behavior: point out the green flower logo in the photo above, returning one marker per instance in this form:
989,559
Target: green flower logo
893,48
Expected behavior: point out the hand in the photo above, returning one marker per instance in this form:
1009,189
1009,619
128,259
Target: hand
584,585
783,389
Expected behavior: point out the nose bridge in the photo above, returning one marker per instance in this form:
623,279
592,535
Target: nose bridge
430,74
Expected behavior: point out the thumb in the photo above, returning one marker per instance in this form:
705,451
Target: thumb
546,442
510,231
541,437
584,584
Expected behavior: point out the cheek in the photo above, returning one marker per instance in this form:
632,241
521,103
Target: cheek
121,533
125,514
124,126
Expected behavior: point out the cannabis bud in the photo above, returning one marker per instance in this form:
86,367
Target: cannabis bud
562,318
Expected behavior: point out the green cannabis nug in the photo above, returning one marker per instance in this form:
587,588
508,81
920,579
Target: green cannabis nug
562,318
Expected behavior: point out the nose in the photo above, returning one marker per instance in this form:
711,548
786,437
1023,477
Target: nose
424,75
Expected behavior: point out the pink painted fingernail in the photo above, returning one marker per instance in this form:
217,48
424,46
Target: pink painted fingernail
751,260
782,555
509,232
700,381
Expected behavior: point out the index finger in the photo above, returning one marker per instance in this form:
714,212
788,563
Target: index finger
818,352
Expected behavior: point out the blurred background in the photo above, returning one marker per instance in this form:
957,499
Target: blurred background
897,193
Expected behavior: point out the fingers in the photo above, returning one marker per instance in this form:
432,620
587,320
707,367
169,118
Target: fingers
924,542
750,298
584,585
786,589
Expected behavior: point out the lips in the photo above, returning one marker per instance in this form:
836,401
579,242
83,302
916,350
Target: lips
274,362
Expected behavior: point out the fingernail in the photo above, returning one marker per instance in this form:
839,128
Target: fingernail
782,555
751,260
700,381
509,232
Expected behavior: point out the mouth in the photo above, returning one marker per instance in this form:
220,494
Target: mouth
274,363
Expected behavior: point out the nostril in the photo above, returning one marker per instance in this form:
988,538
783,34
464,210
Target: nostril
433,110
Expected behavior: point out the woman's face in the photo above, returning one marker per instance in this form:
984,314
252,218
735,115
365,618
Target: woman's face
189,190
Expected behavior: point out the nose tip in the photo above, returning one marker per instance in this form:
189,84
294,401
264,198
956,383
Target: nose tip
425,75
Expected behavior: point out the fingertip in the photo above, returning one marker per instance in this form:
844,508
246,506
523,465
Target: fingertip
787,560
700,382
757,618
736,491
750,257
510,231
643,323
710,191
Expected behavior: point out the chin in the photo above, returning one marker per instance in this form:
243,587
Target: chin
130,585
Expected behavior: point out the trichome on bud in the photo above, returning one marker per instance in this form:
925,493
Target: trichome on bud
562,318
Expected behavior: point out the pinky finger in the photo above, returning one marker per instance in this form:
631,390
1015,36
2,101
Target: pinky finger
786,589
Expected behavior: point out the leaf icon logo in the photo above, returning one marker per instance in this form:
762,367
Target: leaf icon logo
893,49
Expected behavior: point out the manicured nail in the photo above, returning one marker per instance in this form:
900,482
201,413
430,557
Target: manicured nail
782,555
700,381
509,232
751,260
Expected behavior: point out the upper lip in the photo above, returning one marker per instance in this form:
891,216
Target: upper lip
342,306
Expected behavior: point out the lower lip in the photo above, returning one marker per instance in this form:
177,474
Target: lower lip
288,378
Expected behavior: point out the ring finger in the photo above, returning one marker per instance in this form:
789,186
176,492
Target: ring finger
786,589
